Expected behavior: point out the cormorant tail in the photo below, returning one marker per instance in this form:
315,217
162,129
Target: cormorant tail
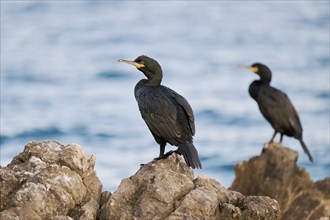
306,149
190,155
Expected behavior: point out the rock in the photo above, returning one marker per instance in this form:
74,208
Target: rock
165,189
275,174
324,187
50,181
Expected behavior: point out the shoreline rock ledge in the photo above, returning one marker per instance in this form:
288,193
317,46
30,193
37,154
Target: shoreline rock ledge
275,174
49,180
166,189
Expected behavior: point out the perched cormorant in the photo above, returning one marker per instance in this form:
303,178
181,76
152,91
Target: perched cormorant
275,106
167,114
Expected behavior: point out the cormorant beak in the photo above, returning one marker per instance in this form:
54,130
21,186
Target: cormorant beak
137,65
253,69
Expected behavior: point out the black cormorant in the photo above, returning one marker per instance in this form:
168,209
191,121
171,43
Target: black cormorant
275,106
167,114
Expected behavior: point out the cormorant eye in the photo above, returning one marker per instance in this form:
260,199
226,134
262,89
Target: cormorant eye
141,62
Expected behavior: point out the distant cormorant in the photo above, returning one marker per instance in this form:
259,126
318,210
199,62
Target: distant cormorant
275,106
167,114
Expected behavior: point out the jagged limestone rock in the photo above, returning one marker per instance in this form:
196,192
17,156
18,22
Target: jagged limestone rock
50,181
275,174
165,189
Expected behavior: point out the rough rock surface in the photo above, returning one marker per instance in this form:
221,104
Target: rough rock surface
165,189
50,181
275,174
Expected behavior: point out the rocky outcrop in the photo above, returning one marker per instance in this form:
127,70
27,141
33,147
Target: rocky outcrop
165,189
50,181
275,174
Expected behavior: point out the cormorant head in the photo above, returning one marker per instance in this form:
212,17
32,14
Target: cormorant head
262,70
150,67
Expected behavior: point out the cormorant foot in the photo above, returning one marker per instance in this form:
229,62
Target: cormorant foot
166,155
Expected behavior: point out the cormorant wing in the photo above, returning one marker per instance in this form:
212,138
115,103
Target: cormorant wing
187,108
279,111
158,107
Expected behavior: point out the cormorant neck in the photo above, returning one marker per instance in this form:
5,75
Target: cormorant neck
153,78
265,79
265,76
154,81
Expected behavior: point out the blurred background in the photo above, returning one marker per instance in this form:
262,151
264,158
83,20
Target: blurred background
60,79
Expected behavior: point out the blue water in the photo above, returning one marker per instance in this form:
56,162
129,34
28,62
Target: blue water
60,79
